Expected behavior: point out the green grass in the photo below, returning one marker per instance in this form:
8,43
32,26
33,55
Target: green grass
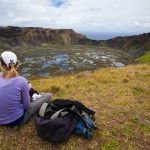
111,145
52,42
144,58
120,97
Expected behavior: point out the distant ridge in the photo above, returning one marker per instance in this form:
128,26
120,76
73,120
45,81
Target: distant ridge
136,45
11,36
33,36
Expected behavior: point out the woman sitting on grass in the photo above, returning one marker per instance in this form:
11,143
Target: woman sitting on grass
15,105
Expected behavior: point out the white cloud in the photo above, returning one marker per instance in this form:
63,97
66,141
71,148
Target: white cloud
80,15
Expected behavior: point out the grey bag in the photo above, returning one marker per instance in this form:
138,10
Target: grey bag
57,126
56,121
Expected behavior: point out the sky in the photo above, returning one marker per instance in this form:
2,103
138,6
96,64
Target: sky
83,16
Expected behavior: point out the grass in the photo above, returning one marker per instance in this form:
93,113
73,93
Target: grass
120,97
145,58
57,42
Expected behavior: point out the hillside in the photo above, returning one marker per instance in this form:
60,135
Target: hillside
138,45
120,97
21,36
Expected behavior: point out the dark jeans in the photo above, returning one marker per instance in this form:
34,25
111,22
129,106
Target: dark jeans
16,122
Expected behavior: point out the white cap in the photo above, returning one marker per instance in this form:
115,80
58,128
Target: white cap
9,58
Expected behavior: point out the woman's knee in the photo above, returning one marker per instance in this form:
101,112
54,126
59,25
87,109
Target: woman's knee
47,95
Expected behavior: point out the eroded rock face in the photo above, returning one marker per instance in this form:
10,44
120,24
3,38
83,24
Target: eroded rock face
33,36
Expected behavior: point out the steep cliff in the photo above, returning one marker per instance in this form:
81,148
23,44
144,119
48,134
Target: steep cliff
15,36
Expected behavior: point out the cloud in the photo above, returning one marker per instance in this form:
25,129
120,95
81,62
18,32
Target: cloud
80,15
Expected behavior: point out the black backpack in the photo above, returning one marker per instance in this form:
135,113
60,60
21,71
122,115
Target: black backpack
57,120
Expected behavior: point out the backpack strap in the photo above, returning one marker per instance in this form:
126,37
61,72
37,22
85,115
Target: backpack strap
63,112
84,108
66,110
57,113
43,109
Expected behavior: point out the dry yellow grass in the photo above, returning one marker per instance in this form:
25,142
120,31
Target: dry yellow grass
120,97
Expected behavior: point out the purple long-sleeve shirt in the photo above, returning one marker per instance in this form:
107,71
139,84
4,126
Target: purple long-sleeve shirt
14,98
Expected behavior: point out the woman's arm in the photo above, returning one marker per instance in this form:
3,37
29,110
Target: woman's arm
25,95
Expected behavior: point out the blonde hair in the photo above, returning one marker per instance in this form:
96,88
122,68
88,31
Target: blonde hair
9,72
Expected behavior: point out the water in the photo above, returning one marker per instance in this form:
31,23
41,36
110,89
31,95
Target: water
44,74
60,58
118,64
54,63
24,70
27,59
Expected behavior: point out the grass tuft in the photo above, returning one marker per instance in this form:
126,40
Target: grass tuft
111,145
